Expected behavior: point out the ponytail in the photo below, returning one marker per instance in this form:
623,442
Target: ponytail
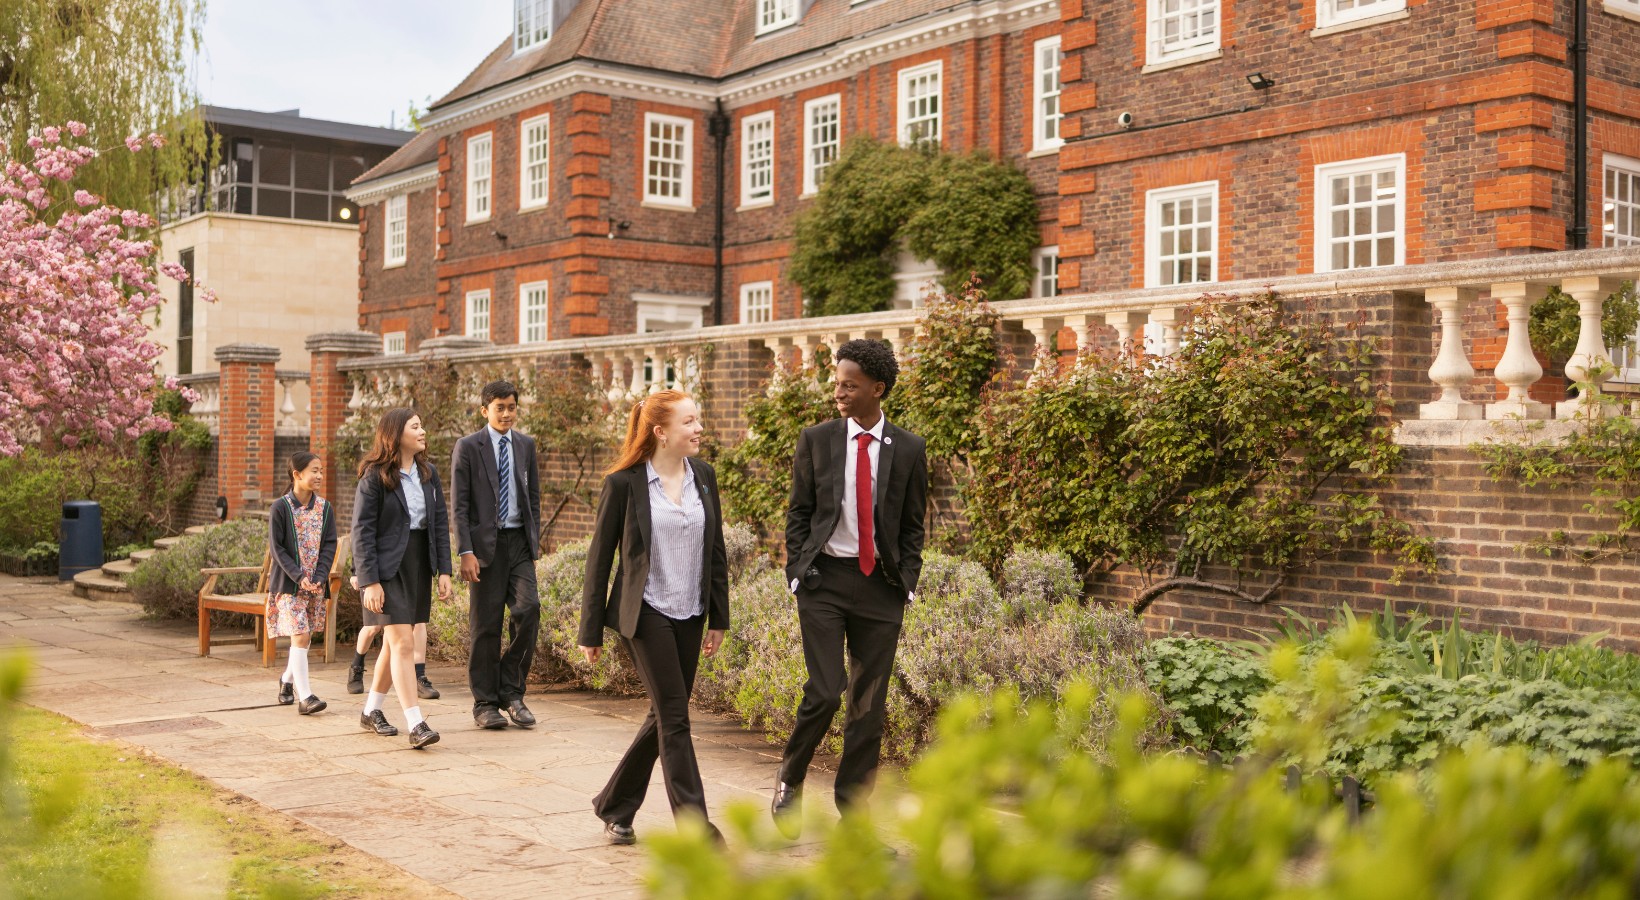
639,445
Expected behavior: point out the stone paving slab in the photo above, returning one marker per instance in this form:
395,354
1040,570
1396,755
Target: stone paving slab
492,815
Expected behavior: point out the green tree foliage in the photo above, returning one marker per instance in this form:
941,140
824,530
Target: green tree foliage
1555,324
123,67
1254,449
755,475
969,214
946,368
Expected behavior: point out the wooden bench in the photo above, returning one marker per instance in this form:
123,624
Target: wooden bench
255,604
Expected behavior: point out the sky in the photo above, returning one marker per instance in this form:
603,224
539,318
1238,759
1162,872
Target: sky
358,61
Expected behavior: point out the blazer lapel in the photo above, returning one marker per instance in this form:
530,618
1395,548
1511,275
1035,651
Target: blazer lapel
487,450
885,469
839,464
640,499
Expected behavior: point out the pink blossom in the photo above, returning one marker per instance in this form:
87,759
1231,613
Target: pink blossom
76,128
156,140
86,198
133,143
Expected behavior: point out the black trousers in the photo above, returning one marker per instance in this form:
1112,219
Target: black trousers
497,670
666,652
861,615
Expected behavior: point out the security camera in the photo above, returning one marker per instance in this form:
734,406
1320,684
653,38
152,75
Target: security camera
1124,120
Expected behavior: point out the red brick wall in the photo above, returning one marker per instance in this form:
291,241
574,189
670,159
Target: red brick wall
245,464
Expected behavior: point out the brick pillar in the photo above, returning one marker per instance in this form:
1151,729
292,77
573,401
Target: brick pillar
245,464
330,389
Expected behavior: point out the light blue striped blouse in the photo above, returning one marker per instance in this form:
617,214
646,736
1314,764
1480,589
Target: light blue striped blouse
679,536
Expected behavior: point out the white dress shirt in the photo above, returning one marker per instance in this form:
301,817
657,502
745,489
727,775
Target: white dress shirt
845,540
515,518
415,502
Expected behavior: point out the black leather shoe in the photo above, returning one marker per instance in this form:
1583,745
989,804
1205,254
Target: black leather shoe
422,735
375,721
787,809
488,718
311,705
355,679
425,689
520,714
287,693
622,835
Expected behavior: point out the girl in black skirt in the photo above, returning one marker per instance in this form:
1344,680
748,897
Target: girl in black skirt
400,539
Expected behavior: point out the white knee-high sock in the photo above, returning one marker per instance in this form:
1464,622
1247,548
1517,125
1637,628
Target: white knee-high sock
374,702
413,717
299,672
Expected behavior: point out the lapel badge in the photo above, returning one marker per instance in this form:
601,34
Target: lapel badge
887,439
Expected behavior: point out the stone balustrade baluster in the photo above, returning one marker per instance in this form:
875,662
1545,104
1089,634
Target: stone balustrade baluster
1519,368
1589,363
1451,369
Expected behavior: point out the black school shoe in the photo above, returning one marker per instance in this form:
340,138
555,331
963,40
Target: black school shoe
422,735
425,689
355,679
375,721
287,693
620,835
489,718
311,705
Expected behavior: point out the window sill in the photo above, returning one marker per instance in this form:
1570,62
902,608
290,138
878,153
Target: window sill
1622,12
1368,22
395,265
533,208
808,196
755,204
472,221
1163,65
1045,151
671,207
774,30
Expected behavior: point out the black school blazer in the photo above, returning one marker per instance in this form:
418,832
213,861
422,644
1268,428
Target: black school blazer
623,524
381,527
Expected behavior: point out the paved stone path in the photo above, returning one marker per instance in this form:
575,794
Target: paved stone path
481,814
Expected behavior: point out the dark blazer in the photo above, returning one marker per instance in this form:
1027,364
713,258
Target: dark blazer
381,527
623,523
475,484
286,574
817,500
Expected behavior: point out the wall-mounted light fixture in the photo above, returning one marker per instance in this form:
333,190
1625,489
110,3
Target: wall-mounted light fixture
1261,81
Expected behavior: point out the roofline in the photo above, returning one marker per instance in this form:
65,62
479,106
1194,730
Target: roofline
286,123
363,192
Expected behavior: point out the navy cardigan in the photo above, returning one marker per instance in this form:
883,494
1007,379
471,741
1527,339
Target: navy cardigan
285,576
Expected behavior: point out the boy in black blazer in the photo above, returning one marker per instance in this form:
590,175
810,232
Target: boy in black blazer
854,542
497,512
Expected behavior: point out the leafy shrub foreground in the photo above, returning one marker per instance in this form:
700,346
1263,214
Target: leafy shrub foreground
167,584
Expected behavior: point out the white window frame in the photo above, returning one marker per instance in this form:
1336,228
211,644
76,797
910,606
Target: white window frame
1323,205
773,15
396,234
480,173
904,120
752,194
686,178
1043,121
537,30
478,314
1157,48
527,311
1328,14
1627,9
812,142
763,312
1613,209
540,180
1153,230
1039,278
393,343
669,312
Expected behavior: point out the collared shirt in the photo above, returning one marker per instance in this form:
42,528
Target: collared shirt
678,536
845,540
414,500
515,517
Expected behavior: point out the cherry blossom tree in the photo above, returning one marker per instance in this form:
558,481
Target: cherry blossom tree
76,279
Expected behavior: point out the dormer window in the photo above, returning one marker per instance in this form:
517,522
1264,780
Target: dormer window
532,23
773,15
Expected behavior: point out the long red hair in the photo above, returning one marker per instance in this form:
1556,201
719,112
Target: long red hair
639,446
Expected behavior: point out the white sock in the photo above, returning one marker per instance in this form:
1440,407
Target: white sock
374,702
284,677
299,672
412,717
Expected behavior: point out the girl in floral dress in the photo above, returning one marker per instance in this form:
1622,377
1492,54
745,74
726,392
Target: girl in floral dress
302,536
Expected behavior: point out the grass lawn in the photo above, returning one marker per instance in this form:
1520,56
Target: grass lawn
112,822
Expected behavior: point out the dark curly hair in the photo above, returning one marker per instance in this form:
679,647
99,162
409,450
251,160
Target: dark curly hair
874,358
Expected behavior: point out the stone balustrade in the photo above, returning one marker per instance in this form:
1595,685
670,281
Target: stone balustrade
295,409
208,408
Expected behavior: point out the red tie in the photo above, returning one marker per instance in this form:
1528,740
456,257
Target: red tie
862,503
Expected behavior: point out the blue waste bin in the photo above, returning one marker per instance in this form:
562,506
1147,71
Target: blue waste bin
82,545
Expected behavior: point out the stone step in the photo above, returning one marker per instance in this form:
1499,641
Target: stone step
142,556
167,543
197,529
94,585
119,568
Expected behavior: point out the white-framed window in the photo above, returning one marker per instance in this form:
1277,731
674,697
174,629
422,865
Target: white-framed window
757,159
773,15
669,312
1045,96
1045,261
532,23
1620,204
757,302
532,312
1360,213
534,158
920,103
397,245
478,314
668,158
393,343
822,139
1181,234
1182,28
1342,12
478,177
1628,9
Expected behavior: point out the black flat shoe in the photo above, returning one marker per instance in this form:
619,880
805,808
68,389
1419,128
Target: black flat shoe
422,735
620,835
489,718
287,693
425,689
375,721
310,706
787,809
521,715
355,679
